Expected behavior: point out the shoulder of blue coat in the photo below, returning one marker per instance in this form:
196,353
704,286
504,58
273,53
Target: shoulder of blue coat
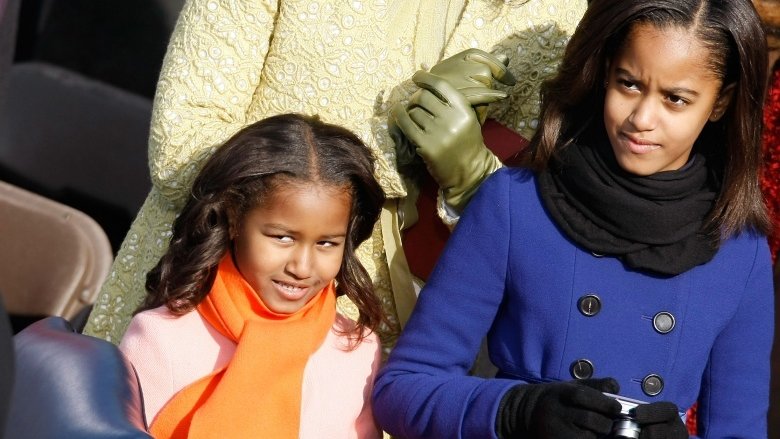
509,180
747,241
509,175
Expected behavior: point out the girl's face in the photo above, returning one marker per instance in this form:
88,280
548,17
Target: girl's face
660,94
291,246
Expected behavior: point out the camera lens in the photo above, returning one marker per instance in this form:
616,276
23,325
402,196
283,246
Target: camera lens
626,428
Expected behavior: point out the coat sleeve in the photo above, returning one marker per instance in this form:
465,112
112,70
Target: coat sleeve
209,76
424,390
739,364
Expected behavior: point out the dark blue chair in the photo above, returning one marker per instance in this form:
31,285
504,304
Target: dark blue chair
6,364
69,385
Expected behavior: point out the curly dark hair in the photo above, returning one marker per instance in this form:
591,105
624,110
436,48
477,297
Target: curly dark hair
238,176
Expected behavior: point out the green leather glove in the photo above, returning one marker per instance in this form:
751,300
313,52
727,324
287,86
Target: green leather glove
474,68
441,122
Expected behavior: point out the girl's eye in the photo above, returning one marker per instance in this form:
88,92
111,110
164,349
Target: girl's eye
631,85
677,101
328,244
283,238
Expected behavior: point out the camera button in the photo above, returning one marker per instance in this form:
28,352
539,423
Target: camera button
581,369
663,322
589,305
652,385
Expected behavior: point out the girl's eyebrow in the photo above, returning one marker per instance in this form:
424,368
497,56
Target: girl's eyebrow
681,91
336,236
281,227
670,90
284,229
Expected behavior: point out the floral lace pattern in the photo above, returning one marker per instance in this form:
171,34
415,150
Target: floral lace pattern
231,62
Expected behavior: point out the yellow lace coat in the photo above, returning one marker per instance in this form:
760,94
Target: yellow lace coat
231,62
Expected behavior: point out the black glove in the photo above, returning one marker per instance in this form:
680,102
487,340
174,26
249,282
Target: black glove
562,410
660,420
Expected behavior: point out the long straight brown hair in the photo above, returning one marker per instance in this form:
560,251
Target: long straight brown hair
573,100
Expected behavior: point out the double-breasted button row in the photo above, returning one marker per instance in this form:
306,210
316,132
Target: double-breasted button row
664,322
590,304
582,369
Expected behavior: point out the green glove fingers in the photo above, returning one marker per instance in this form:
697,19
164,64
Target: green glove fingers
405,151
471,72
475,67
440,121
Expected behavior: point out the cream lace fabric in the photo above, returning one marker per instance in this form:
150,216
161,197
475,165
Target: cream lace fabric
231,62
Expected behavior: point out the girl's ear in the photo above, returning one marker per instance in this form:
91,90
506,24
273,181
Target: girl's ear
722,103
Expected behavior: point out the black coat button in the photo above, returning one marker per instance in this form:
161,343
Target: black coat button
652,385
663,322
581,369
589,305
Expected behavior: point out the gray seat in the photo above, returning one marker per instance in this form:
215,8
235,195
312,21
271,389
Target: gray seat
9,11
71,138
65,132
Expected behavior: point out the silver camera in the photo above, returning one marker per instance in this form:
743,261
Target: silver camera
625,425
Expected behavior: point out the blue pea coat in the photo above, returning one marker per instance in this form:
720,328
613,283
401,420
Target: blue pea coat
553,311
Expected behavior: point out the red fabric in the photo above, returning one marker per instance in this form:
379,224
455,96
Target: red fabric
424,241
690,420
770,177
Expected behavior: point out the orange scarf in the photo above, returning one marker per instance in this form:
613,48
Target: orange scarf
258,394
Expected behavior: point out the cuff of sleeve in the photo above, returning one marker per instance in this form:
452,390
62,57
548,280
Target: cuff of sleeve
449,216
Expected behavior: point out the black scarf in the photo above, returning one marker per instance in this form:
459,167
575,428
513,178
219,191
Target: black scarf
652,223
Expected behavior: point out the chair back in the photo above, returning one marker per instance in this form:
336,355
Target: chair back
53,258
9,11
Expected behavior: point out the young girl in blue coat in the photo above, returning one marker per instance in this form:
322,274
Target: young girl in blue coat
626,256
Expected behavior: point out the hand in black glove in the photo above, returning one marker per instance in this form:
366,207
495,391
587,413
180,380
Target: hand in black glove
575,409
660,420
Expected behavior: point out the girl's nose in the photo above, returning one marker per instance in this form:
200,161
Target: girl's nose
300,262
643,117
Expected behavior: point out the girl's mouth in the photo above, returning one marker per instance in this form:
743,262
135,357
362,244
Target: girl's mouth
290,291
639,146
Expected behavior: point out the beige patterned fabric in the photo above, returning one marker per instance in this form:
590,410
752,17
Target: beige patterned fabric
232,62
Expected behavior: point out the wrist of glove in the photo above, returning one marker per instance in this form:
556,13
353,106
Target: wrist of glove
660,420
462,185
576,409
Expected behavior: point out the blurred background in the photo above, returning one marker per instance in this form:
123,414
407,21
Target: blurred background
77,78
76,109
